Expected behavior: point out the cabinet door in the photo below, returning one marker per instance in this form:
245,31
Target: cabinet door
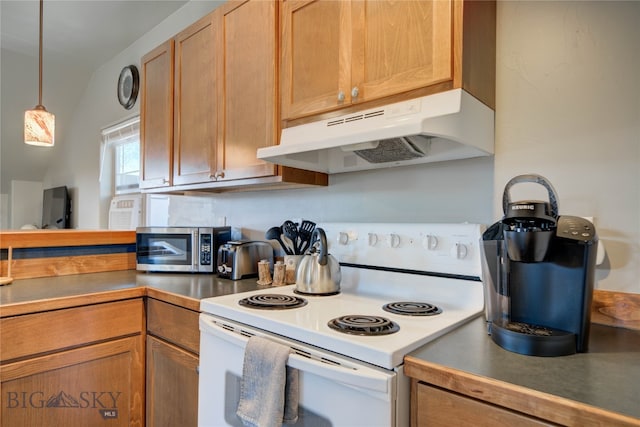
247,37
156,117
400,45
194,104
172,385
316,56
97,385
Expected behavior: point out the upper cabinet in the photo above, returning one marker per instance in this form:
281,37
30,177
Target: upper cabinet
210,101
247,72
178,110
341,54
156,118
316,56
194,104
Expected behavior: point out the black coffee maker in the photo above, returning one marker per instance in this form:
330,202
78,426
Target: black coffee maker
539,276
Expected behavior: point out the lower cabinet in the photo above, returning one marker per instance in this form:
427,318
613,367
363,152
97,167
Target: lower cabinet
435,407
172,385
85,366
172,365
82,366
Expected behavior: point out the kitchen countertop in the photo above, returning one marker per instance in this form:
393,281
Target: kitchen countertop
50,293
187,290
606,377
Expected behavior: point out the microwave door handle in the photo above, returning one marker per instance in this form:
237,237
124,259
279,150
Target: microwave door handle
360,377
195,250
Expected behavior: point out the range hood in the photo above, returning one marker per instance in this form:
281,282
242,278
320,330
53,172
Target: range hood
445,126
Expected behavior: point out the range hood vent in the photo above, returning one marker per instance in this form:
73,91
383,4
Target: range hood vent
445,126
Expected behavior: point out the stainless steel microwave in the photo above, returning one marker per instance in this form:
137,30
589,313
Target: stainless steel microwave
179,249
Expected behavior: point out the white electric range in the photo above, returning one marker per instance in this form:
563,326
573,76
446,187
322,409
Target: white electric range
430,272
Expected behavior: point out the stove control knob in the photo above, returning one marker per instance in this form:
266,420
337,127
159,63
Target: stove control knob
394,240
343,238
373,239
459,251
430,242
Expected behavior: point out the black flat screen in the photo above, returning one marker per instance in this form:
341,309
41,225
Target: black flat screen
56,208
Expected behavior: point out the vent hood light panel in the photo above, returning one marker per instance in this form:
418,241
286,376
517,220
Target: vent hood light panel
445,126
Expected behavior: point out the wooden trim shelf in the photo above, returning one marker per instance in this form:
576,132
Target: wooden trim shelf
48,253
58,238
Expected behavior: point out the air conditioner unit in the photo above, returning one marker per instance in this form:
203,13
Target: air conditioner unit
126,212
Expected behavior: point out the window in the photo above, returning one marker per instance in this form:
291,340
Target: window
121,149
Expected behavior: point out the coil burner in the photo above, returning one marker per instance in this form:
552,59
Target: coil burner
356,324
411,308
272,302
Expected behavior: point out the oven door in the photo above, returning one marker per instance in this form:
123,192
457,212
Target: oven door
334,390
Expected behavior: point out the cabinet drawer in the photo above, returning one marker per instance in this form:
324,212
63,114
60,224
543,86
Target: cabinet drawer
49,331
174,324
435,407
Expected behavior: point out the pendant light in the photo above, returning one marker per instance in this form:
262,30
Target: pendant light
39,124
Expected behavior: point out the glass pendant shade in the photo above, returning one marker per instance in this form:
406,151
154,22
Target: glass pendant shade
39,124
39,127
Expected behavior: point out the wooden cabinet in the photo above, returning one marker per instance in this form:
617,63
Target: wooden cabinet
436,407
247,41
172,385
178,117
195,103
224,97
156,117
339,54
247,94
172,362
75,366
316,56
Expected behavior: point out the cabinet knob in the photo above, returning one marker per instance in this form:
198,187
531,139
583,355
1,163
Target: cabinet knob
354,92
216,176
340,96
165,181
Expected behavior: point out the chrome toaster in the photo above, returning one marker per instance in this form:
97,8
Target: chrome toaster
238,259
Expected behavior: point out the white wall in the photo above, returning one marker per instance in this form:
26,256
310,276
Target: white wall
448,192
25,204
567,108
62,89
4,211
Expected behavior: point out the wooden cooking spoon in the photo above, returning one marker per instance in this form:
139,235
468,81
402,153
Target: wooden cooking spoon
8,279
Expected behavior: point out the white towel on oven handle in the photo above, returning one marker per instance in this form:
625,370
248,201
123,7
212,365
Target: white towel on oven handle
268,388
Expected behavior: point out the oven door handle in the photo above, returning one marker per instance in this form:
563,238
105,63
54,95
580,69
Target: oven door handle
360,377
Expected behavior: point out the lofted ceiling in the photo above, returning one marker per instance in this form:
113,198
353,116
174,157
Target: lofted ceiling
84,33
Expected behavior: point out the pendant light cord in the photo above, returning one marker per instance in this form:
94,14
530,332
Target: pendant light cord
40,68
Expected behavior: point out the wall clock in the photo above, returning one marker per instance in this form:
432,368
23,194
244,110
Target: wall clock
128,86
